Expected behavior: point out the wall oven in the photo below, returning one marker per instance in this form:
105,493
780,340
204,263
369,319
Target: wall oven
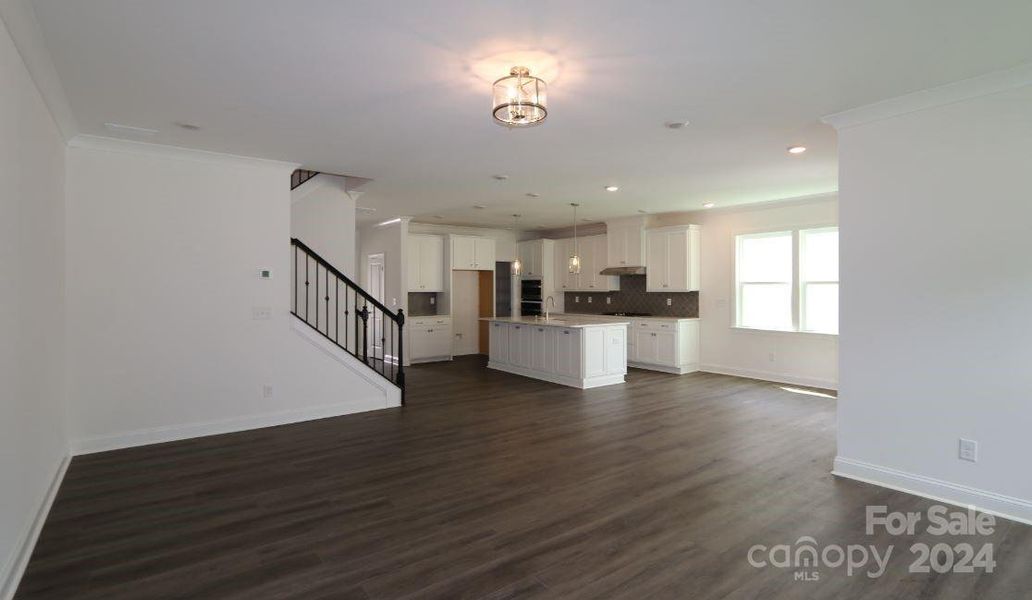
530,297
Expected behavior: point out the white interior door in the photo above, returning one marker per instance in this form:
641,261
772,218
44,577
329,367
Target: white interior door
375,265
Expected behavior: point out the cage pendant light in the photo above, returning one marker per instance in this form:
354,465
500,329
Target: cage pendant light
575,257
517,265
519,99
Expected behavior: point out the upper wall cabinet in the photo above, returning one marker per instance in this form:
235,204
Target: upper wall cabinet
536,256
472,253
672,259
425,263
625,242
592,252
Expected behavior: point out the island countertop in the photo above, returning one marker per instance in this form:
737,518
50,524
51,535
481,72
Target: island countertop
566,320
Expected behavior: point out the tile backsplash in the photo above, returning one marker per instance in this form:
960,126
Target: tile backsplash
632,297
420,305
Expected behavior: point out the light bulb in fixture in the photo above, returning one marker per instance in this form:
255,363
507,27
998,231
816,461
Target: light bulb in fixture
517,265
796,149
575,262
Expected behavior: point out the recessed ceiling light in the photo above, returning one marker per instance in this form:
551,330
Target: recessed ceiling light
644,212
479,206
533,195
676,124
500,177
187,126
438,217
709,205
612,188
796,149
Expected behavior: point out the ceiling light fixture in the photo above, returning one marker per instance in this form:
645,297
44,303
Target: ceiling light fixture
676,124
517,265
708,205
519,99
796,149
612,188
574,264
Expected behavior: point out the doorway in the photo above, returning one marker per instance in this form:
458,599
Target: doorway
375,287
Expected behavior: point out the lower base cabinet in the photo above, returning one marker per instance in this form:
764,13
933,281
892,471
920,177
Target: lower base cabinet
671,346
576,356
428,339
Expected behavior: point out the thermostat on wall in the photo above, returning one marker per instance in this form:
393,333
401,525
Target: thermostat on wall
264,274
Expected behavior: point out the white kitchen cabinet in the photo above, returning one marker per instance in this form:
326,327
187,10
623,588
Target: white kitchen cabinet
498,345
583,357
592,250
425,263
625,242
537,258
672,259
472,253
567,353
428,338
669,345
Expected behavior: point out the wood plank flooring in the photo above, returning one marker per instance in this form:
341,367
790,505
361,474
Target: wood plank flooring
490,485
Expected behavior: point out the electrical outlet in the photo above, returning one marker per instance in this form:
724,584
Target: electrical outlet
609,300
669,301
433,300
589,299
576,298
266,391
261,313
968,450
770,357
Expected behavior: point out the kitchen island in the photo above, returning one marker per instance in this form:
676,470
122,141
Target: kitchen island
579,351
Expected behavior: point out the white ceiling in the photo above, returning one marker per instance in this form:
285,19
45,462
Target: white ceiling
396,91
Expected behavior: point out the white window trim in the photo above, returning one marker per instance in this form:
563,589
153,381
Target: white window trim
796,284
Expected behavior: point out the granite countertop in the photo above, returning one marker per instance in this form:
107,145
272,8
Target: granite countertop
614,318
565,320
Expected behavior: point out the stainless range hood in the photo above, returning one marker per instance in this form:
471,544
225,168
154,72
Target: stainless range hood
623,271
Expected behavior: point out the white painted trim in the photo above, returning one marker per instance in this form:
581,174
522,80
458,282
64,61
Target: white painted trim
95,142
172,433
577,382
391,392
950,93
771,376
12,573
1007,507
682,370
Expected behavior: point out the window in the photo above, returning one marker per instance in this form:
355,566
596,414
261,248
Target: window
787,280
818,280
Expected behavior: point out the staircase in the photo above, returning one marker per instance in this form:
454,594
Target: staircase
345,314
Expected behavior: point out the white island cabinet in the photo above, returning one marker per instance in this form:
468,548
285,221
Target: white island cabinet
582,353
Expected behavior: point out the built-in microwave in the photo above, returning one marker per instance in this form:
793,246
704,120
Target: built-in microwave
530,297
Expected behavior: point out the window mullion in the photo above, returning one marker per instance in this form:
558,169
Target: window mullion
797,318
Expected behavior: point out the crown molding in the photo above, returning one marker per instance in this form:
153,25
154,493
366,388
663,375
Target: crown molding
966,89
19,19
106,144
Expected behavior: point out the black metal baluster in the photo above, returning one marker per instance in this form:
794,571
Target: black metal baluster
400,382
317,295
295,279
365,333
336,310
327,302
306,287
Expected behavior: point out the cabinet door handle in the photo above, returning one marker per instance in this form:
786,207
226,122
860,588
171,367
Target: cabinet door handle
566,333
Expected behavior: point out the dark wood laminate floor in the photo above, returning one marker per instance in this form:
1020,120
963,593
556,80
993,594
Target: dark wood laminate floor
489,485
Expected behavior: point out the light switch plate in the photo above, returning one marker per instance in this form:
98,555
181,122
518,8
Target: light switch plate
968,450
261,313
264,273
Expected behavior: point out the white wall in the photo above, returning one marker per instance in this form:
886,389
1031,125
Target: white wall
391,241
936,267
322,215
163,249
800,358
33,442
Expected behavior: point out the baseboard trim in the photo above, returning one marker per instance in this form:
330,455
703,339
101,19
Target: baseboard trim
173,433
1007,507
13,571
682,370
771,376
